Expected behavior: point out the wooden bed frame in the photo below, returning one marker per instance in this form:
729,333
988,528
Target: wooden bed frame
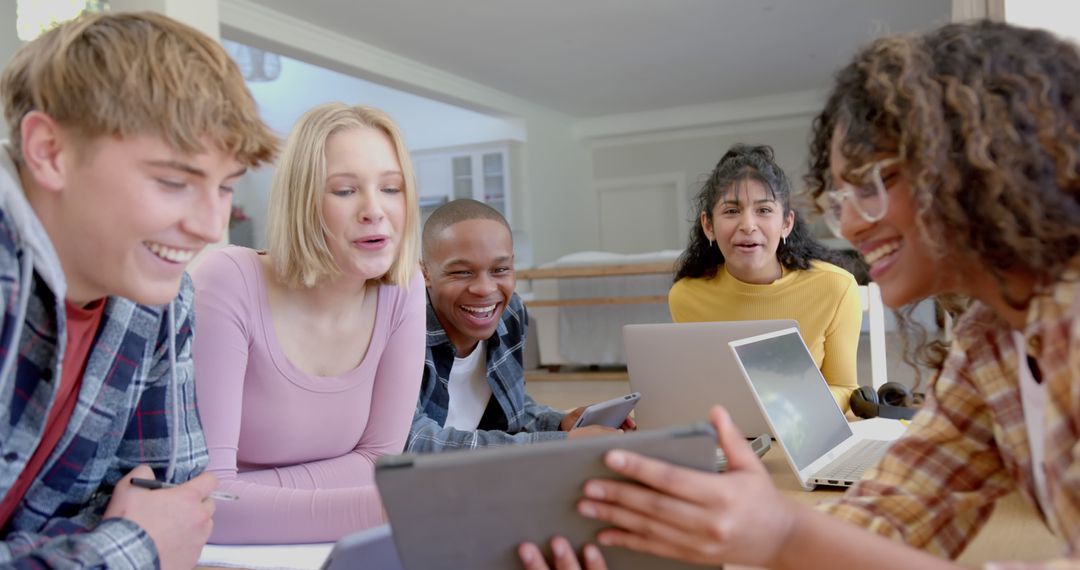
554,371
598,271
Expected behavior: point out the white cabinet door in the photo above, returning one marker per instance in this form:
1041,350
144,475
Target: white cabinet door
432,176
493,183
449,174
463,179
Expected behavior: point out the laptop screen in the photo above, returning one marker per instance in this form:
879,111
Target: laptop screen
795,396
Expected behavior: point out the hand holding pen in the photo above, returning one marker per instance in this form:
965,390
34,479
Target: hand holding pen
155,484
178,519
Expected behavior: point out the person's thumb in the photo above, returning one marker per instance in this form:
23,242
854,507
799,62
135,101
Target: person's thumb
142,472
739,454
205,484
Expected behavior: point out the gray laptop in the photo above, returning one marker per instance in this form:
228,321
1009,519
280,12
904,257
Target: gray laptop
684,369
819,443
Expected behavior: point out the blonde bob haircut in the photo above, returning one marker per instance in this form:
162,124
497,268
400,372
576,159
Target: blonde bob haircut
140,73
295,227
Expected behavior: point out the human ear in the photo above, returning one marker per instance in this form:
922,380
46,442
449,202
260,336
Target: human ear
789,224
706,226
44,149
423,270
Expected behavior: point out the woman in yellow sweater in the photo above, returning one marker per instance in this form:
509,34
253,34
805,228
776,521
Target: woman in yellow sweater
751,258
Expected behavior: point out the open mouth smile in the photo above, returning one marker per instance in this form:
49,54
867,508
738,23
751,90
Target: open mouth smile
480,314
170,254
881,251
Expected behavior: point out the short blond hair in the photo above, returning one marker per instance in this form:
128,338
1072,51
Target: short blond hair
128,74
295,227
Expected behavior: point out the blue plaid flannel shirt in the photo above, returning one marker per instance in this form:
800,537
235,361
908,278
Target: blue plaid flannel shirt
119,422
511,417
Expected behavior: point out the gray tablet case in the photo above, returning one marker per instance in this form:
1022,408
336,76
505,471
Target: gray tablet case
371,549
471,509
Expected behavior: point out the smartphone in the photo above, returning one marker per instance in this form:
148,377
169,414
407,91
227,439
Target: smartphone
611,413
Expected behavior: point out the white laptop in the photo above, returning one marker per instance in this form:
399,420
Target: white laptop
819,443
684,369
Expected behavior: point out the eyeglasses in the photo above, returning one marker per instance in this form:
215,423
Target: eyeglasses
869,199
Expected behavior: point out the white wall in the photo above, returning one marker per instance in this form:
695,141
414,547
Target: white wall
1062,18
693,155
425,123
9,44
696,154
559,209
252,193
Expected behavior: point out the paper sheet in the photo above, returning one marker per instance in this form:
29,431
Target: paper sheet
266,557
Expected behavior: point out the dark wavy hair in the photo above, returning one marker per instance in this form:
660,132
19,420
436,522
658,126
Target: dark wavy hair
986,119
740,163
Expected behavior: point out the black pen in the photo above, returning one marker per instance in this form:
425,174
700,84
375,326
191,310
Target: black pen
155,484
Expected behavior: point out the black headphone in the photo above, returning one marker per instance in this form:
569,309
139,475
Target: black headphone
892,400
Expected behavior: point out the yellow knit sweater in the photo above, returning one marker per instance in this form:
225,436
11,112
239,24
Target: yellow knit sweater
824,300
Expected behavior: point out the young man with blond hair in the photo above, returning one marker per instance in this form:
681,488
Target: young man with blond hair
127,133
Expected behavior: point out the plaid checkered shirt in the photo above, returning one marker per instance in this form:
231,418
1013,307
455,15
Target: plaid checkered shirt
120,419
936,486
511,416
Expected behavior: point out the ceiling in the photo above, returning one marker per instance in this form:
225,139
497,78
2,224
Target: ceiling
601,57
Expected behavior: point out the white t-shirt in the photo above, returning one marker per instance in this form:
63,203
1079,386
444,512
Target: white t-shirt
1033,401
469,390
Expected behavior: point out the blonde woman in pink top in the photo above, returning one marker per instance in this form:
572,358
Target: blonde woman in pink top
308,358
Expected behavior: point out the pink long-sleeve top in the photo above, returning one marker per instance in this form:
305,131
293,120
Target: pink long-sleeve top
298,449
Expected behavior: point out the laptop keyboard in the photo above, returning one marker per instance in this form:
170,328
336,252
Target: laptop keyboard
854,462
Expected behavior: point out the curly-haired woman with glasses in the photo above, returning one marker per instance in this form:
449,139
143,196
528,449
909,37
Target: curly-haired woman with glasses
952,161
750,257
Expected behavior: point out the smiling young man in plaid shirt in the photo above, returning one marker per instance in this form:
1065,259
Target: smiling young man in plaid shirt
127,131
473,390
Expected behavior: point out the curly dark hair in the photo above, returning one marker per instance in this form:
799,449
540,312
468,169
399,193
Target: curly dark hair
986,119
740,163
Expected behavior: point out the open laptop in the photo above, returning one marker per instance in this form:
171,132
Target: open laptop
819,443
684,369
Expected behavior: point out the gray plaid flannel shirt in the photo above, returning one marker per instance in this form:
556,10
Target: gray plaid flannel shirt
511,417
121,418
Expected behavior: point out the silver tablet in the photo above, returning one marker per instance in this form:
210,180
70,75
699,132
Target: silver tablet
372,548
611,413
471,509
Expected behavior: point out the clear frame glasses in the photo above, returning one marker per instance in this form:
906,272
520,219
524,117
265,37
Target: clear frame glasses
869,199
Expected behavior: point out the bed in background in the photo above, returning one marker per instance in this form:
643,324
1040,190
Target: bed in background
580,302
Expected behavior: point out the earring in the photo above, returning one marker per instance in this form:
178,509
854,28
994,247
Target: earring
783,241
710,244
